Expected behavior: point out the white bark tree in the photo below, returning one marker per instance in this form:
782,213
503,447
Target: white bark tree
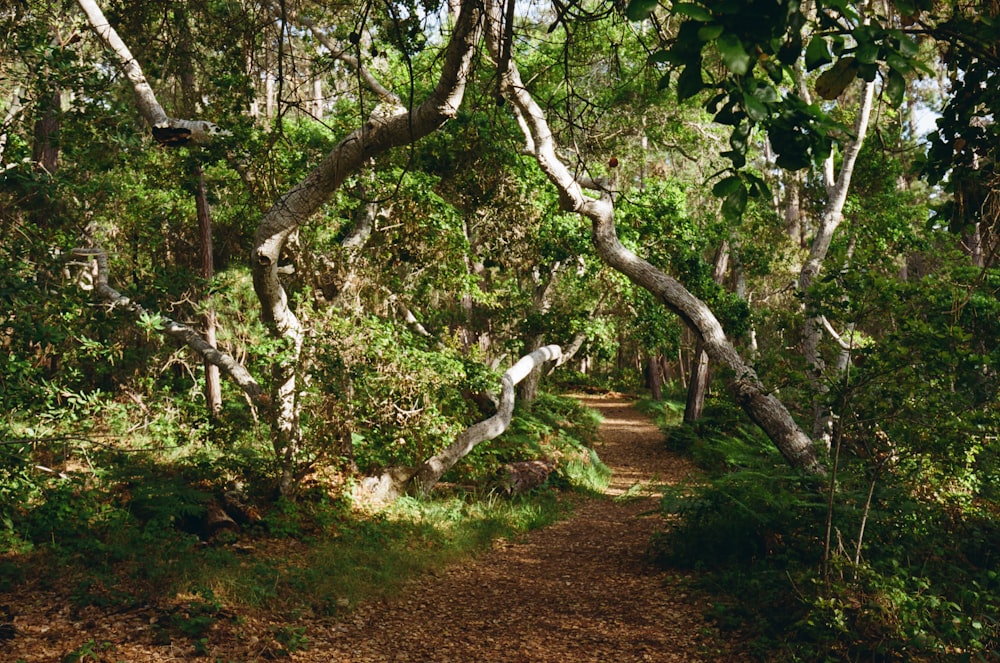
422,479
166,130
378,134
744,384
837,187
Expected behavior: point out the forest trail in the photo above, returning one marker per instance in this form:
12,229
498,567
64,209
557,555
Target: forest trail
579,590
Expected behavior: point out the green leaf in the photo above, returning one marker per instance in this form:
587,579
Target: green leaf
758,187
690,83
908,47
832,82
867,52
899,63
756,109
895,86
693,11
734,56
710,32
640,10
726,186
735,203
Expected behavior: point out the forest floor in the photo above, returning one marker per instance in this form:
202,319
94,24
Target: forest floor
579,590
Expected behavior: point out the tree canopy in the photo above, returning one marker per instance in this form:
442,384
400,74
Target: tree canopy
374,219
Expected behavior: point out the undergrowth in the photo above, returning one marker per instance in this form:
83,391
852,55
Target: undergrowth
119,527
908,571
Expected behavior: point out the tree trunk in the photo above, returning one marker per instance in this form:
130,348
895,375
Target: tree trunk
378,135
837,189
698,386
655,377
166,130
45,148
793,210
574,347
432,469
527,389
213,386
189,337
744,384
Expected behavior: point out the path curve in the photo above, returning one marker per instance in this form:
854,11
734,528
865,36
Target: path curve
579,590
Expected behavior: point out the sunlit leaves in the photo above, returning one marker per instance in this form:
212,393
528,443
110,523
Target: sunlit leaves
832,82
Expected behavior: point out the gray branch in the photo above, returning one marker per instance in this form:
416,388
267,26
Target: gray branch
179,331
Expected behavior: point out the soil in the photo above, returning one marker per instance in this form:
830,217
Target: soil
579,590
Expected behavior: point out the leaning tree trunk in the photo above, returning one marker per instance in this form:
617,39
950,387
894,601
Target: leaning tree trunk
166,130
744,384
378,135
432,469
179,331
392,128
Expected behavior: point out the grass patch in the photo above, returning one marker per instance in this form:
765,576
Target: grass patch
372,556
664,414
586,474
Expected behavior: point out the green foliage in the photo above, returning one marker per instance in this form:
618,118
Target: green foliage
724,439
910,563
553,427
377,422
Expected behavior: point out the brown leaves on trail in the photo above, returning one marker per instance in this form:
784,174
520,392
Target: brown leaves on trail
580,590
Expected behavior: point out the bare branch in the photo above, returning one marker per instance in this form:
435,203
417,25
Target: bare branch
340,52
166,130
181,332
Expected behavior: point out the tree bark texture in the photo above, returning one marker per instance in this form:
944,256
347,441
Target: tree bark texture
213,386
45,150
698,386
744,384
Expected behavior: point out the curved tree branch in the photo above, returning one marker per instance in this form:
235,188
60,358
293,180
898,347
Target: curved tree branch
179,331
431,470
166,130
747,389
377,135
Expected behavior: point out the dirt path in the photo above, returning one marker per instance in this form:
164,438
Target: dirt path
579,590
